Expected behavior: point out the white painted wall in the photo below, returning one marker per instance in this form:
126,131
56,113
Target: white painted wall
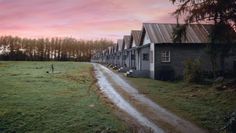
152,60
125,46
138,58
146,39
133,44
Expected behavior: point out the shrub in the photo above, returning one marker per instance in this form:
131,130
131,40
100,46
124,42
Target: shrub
192,71
165,73
230,126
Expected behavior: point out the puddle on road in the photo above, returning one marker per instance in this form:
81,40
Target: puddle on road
120,102
103,73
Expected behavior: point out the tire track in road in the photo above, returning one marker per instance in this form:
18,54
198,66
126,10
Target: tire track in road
110,84
119,101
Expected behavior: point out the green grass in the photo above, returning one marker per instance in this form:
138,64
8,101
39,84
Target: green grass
32,100
201,104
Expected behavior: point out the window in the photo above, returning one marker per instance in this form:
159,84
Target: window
146,57
132,57
165,56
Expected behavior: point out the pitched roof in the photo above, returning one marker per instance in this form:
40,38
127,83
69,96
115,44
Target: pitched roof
110,49
127,44
136,37
116,47
120,44
106,51
162,33
113,48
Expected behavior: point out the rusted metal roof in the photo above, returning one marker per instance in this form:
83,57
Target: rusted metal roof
136,37
162,33
127,43
120,44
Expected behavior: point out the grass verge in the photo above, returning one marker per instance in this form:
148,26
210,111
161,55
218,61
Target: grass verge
201,104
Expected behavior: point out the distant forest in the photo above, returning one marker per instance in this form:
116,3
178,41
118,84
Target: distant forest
45,49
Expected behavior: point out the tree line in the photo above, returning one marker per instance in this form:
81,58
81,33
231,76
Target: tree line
46,49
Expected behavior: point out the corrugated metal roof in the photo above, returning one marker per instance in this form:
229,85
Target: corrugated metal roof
136,37
127,44
162,33
120,44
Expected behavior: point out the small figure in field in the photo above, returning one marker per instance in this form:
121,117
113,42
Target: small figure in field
52,67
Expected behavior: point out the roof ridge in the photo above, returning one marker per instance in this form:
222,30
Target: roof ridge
176,23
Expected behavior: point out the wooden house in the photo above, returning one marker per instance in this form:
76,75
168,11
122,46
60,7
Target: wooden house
166,55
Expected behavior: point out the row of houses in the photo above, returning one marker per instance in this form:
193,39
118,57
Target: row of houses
151,52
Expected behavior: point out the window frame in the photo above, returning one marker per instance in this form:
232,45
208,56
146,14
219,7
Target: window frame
165,56
147,57
132,56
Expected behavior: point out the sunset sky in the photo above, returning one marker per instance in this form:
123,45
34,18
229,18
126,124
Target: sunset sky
86,19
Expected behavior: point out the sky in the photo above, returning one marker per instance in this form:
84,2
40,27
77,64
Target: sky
81,19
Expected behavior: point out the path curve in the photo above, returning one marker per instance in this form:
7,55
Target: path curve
111,83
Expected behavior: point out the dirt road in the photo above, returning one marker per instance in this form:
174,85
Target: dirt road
138,106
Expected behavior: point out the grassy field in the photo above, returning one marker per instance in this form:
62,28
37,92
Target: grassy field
200,104
32,100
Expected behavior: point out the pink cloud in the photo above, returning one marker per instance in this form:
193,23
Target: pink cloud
79,18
